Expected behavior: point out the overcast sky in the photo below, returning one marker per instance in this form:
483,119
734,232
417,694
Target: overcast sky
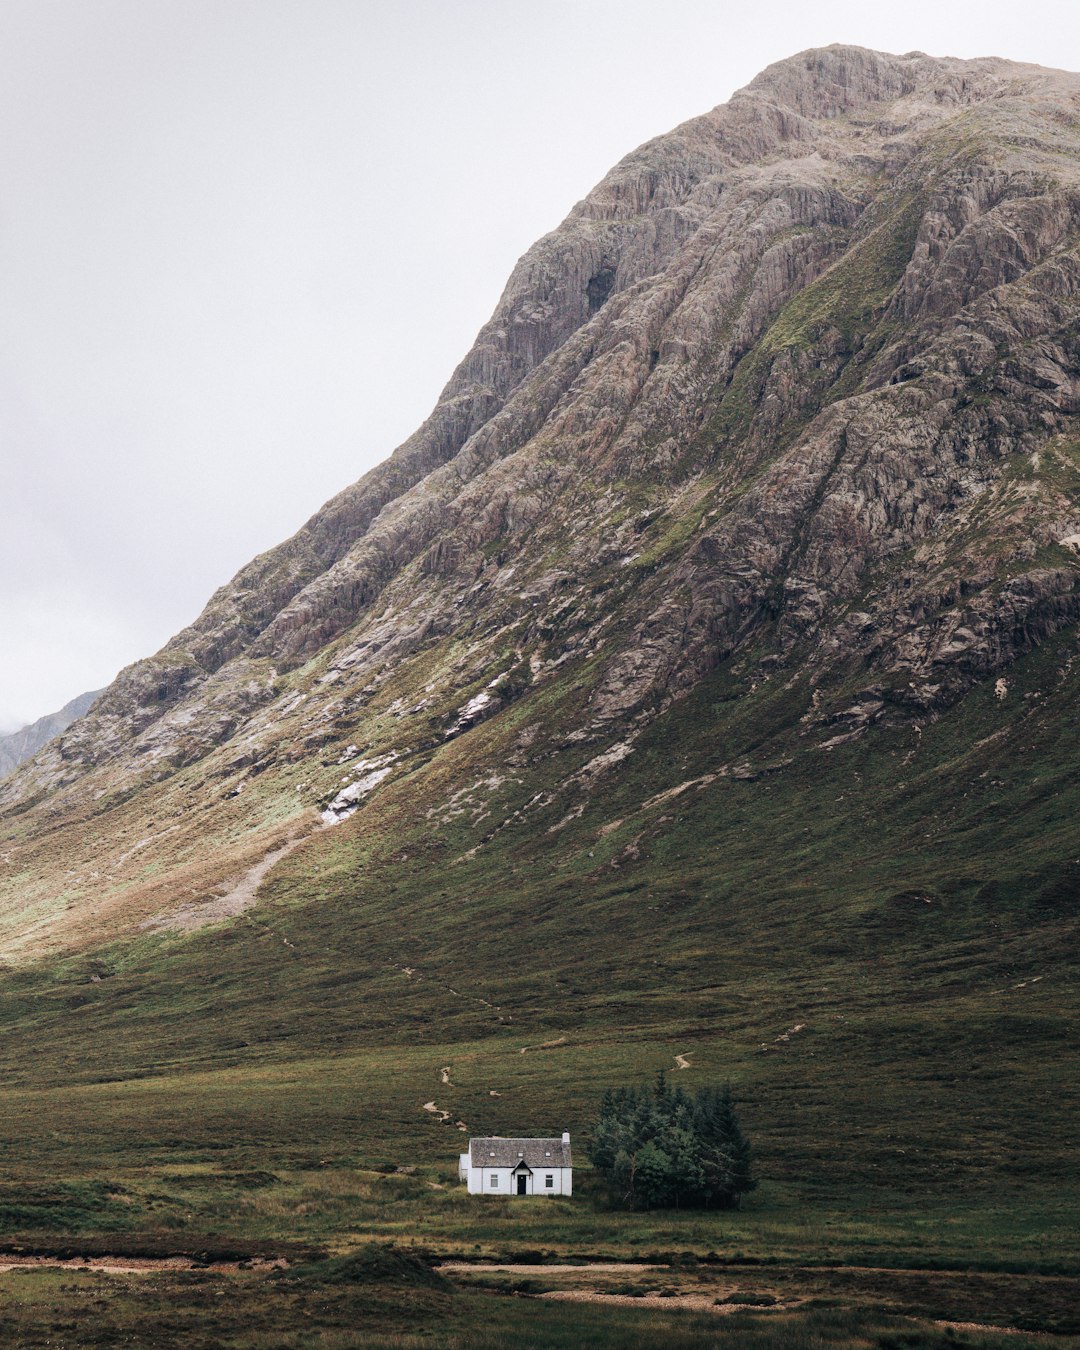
243,243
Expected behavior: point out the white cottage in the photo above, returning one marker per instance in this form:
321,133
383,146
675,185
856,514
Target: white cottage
518,1167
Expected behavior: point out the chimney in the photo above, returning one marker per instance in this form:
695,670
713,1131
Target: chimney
566,1136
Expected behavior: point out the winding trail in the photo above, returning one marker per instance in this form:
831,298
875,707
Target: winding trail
444,1116
411,973
681,1062
241,895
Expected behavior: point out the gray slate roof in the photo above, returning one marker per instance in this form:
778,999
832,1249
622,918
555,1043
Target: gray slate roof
537,1153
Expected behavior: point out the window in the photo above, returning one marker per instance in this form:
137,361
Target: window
549,1181
494,1179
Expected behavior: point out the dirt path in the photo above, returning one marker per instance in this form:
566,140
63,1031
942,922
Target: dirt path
240,896
444,1116
681,1062
411,973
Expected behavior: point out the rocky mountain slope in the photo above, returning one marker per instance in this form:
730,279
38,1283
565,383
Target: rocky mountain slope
792,393
19,746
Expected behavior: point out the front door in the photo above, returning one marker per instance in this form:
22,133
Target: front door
521,1185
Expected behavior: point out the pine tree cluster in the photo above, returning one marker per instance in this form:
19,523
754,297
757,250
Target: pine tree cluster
659,1147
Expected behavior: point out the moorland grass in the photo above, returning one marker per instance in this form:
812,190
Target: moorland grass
204,1310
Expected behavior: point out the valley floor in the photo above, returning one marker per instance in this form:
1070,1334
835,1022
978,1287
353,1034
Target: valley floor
380,1297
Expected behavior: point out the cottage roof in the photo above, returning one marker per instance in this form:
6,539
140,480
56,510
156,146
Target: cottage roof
536,1153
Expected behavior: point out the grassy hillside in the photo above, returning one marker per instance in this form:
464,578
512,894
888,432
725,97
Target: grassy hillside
872,942
906,900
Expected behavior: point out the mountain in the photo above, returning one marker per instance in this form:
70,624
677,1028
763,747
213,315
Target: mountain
700,678
793,386
19,746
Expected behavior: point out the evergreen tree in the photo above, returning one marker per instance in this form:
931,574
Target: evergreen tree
652,1181
662,1147
726,1154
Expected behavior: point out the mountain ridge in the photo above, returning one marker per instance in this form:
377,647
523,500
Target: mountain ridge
24,742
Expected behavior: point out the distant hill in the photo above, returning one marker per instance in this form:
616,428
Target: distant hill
23,744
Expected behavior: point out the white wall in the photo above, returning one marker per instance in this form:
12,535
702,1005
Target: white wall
480,1181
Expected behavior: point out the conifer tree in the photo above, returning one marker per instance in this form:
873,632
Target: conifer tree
662,1147
726,1155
